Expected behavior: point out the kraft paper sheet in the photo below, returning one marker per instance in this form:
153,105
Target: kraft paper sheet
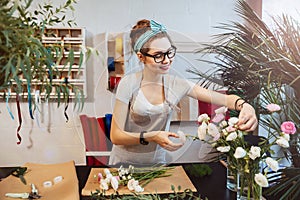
37,174
157,186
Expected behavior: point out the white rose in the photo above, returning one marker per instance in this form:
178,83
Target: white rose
223,149
213,130
202,131
232,121
254,152
261,180
203,117
232,136
239,153
114,183
273,164
286,136
281,141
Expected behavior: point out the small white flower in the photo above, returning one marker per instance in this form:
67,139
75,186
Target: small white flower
203,117
103,184
108,177
114,183
223,124
281,141
202,131
232,121
182,136
232,136
254,152
273,164
239,153
261,180
223,149
221,110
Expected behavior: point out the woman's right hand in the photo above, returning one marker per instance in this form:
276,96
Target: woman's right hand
162,139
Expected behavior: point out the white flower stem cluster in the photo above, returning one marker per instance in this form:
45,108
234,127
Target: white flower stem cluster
124,176
226,138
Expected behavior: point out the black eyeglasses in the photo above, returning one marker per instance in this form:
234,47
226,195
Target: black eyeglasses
160,57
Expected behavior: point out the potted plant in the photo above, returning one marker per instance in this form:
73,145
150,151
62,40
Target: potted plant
262,65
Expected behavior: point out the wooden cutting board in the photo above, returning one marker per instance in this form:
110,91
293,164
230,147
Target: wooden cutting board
157,186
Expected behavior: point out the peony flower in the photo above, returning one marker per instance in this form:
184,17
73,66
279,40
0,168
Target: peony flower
202,131
103,184
114,183
288,127
203,117
281,141
182,136
254,152
239,153
232,136
232,121
273,164
261,180
273,107
223,149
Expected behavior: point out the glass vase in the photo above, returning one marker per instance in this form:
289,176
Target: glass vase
247,188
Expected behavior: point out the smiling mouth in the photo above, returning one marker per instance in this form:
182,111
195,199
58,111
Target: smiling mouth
165,67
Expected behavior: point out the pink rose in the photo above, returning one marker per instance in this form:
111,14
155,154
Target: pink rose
273,107
288,127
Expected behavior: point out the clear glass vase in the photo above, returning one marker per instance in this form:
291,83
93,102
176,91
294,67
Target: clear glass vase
247,188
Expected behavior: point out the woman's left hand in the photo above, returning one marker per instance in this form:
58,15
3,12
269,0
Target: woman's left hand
247,118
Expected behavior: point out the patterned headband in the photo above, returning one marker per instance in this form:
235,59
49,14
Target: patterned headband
155,29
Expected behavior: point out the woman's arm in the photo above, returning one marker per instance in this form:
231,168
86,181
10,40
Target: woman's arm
247,117
120,137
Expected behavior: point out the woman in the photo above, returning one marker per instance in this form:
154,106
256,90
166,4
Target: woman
146,99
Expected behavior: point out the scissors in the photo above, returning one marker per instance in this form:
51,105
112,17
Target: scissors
25,195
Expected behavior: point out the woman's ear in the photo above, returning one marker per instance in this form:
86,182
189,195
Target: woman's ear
141,57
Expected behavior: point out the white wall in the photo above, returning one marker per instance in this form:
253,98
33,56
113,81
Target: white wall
55,140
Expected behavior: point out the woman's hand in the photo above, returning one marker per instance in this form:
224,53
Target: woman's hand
247,118
162,139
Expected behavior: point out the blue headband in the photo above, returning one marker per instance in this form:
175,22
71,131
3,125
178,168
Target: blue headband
155,29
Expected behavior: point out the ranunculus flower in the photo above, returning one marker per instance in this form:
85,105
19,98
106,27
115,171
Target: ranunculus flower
203,117
232,136
254,152
273,164
232,121
273,107
181,136
281,141
114,183
261,180
202,131
223,149
288,127
239,153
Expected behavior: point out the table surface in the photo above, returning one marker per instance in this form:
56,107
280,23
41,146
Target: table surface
212,186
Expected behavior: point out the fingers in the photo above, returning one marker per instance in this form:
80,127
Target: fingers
172,146
247,123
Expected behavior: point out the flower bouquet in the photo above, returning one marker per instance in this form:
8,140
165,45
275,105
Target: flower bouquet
249,162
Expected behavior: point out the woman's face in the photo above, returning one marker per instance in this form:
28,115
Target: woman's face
157,58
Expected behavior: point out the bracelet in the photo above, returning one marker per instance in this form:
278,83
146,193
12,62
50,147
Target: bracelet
142,139
241,105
